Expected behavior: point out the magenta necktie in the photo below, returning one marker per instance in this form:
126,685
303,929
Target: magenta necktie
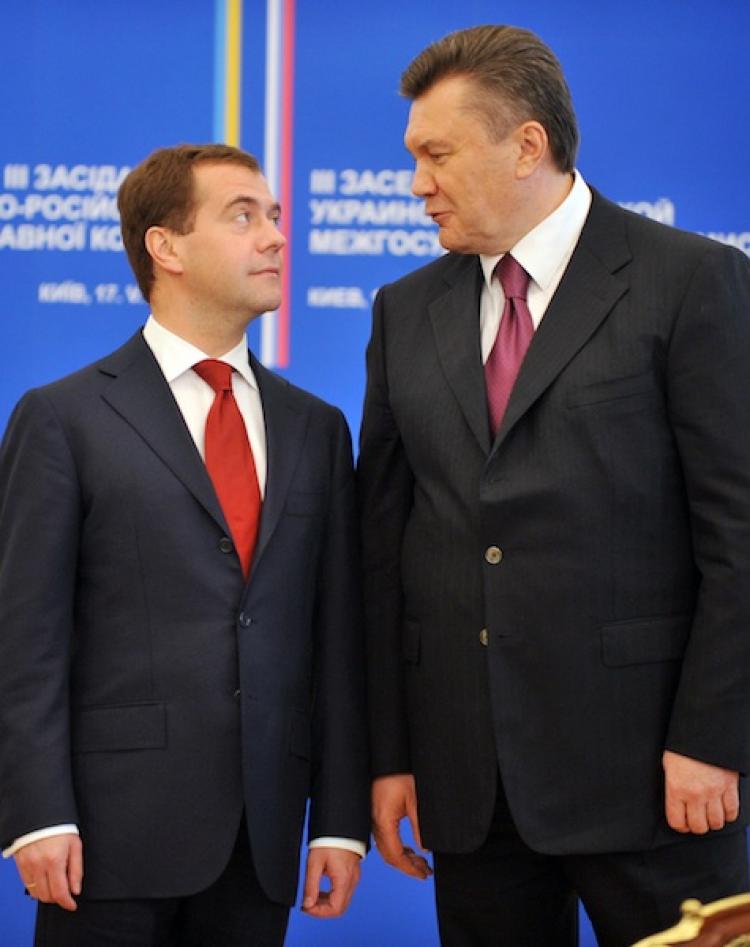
512,340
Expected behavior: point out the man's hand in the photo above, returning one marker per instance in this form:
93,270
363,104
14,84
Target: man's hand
698,796
393,799
52,869
342,868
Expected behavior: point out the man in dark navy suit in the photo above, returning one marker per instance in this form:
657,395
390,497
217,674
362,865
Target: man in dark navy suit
555,481
180,655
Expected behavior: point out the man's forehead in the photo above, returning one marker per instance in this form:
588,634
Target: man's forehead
432,132
223,178
425,125
435,113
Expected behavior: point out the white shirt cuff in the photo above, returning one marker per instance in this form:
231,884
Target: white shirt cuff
348,844
38,835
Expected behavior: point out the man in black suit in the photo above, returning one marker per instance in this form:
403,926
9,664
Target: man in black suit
556,518
180,656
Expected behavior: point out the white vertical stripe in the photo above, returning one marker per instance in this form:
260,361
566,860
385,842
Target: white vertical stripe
273,94
271,147
268,339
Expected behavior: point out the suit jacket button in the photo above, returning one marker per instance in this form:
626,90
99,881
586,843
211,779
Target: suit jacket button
493,555
484,637
245,620
236,694
226,544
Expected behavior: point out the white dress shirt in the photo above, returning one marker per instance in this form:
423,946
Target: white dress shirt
194,397
543,252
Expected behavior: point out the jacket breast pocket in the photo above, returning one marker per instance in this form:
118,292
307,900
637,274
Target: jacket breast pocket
640,386
120,727
644,640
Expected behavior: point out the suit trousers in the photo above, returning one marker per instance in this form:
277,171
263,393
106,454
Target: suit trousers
506,895
232,912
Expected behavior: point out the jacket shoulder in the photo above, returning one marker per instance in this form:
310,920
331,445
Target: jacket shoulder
83,380
645,234
274,385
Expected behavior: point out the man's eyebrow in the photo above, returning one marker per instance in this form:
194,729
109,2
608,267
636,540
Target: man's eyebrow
425,143
273,209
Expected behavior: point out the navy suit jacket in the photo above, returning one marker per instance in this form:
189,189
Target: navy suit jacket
612,620
147,692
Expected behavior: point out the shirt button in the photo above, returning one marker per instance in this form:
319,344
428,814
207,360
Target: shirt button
226,544
245,620
484,637
493,555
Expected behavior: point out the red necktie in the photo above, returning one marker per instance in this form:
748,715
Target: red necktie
229,461
513,339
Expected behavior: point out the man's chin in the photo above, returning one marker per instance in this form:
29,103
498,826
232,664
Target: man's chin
453,242
272,303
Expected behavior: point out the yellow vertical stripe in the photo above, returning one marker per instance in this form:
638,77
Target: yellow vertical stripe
232,85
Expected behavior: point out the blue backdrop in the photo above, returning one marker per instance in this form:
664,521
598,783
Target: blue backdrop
89,87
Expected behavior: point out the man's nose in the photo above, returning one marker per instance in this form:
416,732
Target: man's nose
422,183
272,236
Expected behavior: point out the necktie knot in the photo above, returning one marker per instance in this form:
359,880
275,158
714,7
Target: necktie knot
513,277
217,374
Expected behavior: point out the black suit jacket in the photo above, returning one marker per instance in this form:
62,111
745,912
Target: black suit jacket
147,693
617,491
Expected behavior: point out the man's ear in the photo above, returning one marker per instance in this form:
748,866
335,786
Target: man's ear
162,247
533,145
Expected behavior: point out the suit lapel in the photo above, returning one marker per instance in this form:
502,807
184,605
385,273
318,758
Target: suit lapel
141,395
455,323
286,427
587,293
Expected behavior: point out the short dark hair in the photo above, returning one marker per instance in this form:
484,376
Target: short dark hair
159,192
518,78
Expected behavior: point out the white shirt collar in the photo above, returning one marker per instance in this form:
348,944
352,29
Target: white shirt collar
176,356
541,251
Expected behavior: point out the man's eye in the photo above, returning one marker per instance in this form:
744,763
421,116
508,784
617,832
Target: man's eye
243,216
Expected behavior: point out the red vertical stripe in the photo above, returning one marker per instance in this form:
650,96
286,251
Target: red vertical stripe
287,127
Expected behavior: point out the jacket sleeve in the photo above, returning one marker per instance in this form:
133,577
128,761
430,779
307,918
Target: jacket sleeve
40,510
709,408
339,797
385,490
